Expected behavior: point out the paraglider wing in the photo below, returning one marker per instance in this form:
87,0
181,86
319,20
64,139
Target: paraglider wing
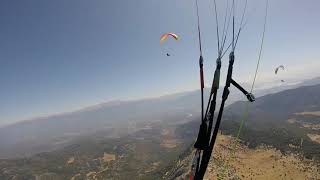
166,35
281,66
277,69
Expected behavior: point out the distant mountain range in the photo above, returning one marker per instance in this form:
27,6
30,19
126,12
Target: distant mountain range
52,132
48,133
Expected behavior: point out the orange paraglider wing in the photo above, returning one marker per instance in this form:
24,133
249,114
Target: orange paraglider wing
166,35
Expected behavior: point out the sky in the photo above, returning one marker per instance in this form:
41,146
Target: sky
59,56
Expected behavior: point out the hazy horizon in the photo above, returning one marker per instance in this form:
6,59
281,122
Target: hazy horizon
269,85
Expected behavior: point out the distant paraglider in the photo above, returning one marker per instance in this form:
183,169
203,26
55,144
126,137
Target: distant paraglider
165,36
277,69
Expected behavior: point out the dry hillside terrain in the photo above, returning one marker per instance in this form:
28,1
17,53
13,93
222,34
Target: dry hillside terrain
259,163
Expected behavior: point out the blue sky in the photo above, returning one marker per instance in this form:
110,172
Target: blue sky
58,56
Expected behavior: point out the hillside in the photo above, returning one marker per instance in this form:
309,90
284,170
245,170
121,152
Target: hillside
280,138
261,163
285,120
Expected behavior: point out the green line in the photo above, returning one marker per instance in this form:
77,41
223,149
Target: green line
246,113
